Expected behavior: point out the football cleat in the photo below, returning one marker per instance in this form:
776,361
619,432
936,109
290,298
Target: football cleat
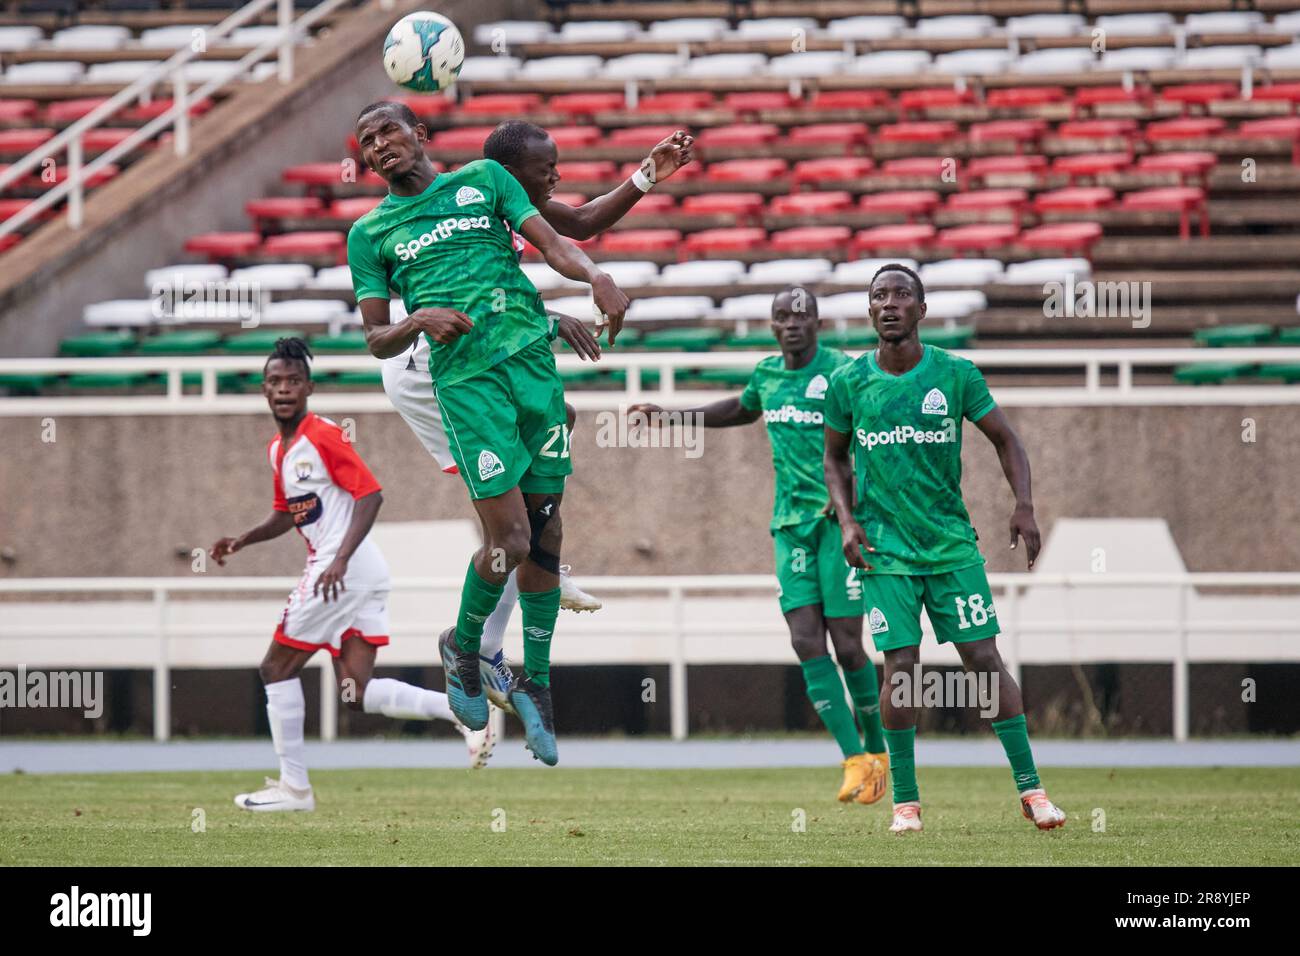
1045,814
532,704
572,597
480,743
907,816
874,788
857,773
464,686
497,680
277,795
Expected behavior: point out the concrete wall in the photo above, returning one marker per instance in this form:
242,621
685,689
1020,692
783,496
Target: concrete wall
121,495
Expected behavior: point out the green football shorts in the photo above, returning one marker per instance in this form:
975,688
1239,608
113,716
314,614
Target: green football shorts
811,569
959,605
507,426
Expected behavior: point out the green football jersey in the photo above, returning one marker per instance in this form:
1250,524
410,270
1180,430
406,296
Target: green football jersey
451,247
905,433
791,402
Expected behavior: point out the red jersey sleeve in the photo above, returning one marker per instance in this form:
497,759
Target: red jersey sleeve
277,492
345,466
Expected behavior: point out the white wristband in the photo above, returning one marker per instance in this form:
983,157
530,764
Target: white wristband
641,181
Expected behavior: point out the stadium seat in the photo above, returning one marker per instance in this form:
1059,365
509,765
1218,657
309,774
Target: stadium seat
929,131
810,239
981,167
1285,92
1229,336
852,337
847,135
576,137
1074,199
654,204
489,68
912,203
90,37
687,29
307,243
17,111
1091,164
783,271
642,66
773,28
681,340
945,337
1095,129
223,245
672,308
811,204
743,205
596,31
20,37
352,208
183,273
1019,132
1183,200
741,134
1186,165
466,138
1191,127
927,98
724,66
746,170
20,142
747,308
333,277
701,272
520,104
831,169
973,62
1092,96
976,238
586,104
594,171
861,271
962,273
808,64
1018,97
306,311
512,32
1039,271
764,341
275,276
1138,58
96,344
257,342
1211,373
1054,61
862,99
725,240
864,28
904,236
121,313
574,68
1276,127
641,136
1200,94
1010,201
1069,237
282,207
843,306
1045,25
180,342
927,167
47,72
1222,57
641,240
683,102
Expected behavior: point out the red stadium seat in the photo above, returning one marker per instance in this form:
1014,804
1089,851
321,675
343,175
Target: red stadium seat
427,104
282,207
982,166
593,171
910,101
9,240
645,136
1098,95
332,174
1098,129
843,134
63,112
19,142
754,101
519,104
902,236
930,167
1275,127
911,203
849,99
1074,199
1020,96
1184,164
1201,93
103,137
462,138
811,204
17,111
1075,237
1192,127
353,208
1183,200
712,204
925,132
323,243
641,240
691,170
746,170
11,207
977,238
570,199
741,134
654,204
1287,92
832,168
725,240
586,104
223,245
144,112
675,102
990,200
41,180
576,137
810,239
1091,164
1019,132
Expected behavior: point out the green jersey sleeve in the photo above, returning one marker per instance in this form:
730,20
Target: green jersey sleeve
976,399
750,397
511,203
837,412
369,277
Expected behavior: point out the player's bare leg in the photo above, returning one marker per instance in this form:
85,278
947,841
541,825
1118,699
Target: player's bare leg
864,691
286,712
900,734
982,657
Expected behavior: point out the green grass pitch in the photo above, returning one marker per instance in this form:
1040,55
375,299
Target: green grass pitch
1213,816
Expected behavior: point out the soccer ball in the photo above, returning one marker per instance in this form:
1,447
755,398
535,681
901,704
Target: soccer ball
424,52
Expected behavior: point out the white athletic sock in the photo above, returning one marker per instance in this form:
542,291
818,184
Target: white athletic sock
494,628
286,709
394,698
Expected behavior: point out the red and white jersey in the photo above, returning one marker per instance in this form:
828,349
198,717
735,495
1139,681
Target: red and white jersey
318,477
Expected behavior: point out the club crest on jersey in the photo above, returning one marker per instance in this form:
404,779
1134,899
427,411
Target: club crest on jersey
468,194
302,469
817,387
935,403
489,465
877,621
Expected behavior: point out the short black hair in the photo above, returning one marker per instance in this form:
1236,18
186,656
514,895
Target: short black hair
290,349
791,289
506,143
404,112
899,267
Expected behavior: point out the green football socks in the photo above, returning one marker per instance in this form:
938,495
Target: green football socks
826,691
865,691
1015,741
902,763
478,599
540,609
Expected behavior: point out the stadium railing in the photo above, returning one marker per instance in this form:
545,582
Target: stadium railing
1093,364
668,639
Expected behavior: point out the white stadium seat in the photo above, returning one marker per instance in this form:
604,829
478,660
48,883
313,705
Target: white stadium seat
276,276
1136,24
960,273
545,278
1046,25
724,65
774,28
642,66
118,71
1222,57
201,71
632,272
333,277
788,270
168,38
845,305
819,63
973,62
513,31
687,30
891,63
486,68
561,68
252,36
134,313
861,271
1138,58
702,272
597,31
671,308
54,72
1283,57
183,273
1039,271
1055,60
13,39
747,308
578,306
305,311
1237,21
960,27
864,28
1285,23
90,38
953,306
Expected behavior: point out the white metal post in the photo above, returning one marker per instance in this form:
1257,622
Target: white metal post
286,41
181,103
162,684
74,179
1009,622
329,703
1180,667
677,667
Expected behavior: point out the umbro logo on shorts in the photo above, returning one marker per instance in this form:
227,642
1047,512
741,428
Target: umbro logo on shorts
877,621
468,194
817,387
935,403
489,465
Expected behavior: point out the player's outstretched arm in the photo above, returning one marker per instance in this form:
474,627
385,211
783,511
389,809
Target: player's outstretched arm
276,524
386,340
572,263
364,510
724,413
591,218
839,485
1015,465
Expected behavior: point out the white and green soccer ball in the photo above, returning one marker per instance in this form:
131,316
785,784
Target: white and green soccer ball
424,52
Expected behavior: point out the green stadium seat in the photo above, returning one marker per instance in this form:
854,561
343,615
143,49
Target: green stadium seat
182,342
761,341
1234,335
1211,373
682,340
353,340
97,344
1287,371
25,383
94,381
723,377
649,377
1289,335
361,379
239,382
854,337
257,342
581,376
958,337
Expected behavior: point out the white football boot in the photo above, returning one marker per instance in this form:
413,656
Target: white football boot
907,817
277,795
480,743
1045,814
572,597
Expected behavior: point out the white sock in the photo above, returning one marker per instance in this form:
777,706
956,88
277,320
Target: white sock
494,628
394,698
286,709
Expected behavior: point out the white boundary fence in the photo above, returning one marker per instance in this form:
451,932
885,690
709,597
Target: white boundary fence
1090,364
677,643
